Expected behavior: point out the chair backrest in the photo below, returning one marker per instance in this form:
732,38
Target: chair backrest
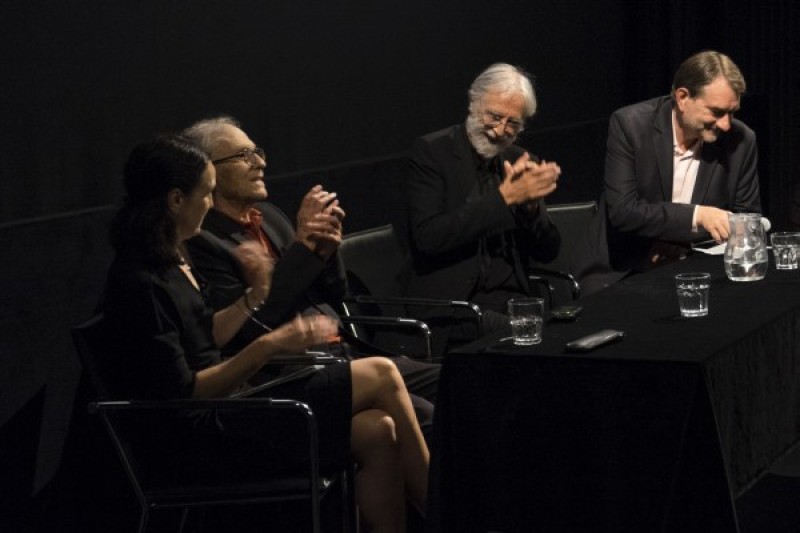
572,220
554,278
376,262
182,477
88,340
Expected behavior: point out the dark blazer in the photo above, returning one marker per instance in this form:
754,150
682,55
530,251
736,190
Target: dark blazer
446,227
301,279
636,208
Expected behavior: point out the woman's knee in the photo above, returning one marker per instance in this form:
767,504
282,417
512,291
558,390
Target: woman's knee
384,429
387,371
374,429
375,380
381,369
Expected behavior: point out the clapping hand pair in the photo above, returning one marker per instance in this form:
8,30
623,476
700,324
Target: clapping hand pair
319,222
526,181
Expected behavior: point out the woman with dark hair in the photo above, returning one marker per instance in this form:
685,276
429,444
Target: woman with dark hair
166,346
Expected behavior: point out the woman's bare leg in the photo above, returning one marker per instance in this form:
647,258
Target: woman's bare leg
377,384
380,493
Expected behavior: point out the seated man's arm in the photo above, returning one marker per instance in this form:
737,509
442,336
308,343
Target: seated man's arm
544,240
743,165
331,283
319,229
634,200
440,218
536,179
748,196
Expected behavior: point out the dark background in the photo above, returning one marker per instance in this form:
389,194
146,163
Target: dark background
335,91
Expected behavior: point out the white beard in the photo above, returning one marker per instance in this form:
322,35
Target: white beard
484,140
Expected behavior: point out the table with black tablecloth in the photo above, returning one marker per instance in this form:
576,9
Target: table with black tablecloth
657,432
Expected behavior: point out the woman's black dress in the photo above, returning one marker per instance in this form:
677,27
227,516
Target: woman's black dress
159,332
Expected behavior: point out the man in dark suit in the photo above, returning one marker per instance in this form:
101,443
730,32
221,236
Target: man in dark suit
476,201
308,276
675,167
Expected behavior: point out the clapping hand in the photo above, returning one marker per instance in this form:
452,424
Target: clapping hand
303,332
257,267
312,204
526,181
319,222
327,226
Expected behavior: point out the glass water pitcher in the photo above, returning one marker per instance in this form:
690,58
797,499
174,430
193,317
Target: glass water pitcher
746,250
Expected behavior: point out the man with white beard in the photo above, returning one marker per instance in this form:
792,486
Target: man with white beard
476,202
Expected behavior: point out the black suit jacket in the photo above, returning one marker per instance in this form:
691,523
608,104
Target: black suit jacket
301,279
446,227
636,207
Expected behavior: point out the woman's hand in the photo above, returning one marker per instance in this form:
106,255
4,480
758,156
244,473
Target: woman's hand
257,267
292,337
302,332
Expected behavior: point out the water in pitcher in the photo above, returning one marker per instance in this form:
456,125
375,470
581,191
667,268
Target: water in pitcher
746,252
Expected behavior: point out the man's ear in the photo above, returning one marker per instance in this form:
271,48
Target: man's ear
174,200
681,96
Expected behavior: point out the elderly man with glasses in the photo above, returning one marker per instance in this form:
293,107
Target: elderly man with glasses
476,201
308,275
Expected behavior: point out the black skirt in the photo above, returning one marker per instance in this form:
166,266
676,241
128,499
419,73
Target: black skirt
252,445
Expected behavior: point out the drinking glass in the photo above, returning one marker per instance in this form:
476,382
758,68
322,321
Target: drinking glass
527,317
786,247
693,291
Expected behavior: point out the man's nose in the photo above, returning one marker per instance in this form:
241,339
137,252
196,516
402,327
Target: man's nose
258,161
501,128
724,123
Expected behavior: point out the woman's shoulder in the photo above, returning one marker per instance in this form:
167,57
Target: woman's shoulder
129,271
134,284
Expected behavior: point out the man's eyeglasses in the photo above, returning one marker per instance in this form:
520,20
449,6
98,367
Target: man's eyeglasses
493,120
245,154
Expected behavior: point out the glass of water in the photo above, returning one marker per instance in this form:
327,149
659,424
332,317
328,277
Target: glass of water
693,291
526,316
786,247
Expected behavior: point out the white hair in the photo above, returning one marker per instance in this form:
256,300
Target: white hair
505,79
206,133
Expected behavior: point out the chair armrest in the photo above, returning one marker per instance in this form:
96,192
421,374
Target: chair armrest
192,404
538,272
307,358
418,326
129,445
473,309
423,302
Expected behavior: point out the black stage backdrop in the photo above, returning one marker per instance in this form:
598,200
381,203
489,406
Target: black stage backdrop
335,91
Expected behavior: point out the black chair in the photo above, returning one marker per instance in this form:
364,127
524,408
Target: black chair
558,283
167,490
378,268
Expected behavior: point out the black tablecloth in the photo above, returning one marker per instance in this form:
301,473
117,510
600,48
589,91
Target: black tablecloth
656,432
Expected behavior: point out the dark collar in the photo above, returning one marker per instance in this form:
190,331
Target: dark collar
221,224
